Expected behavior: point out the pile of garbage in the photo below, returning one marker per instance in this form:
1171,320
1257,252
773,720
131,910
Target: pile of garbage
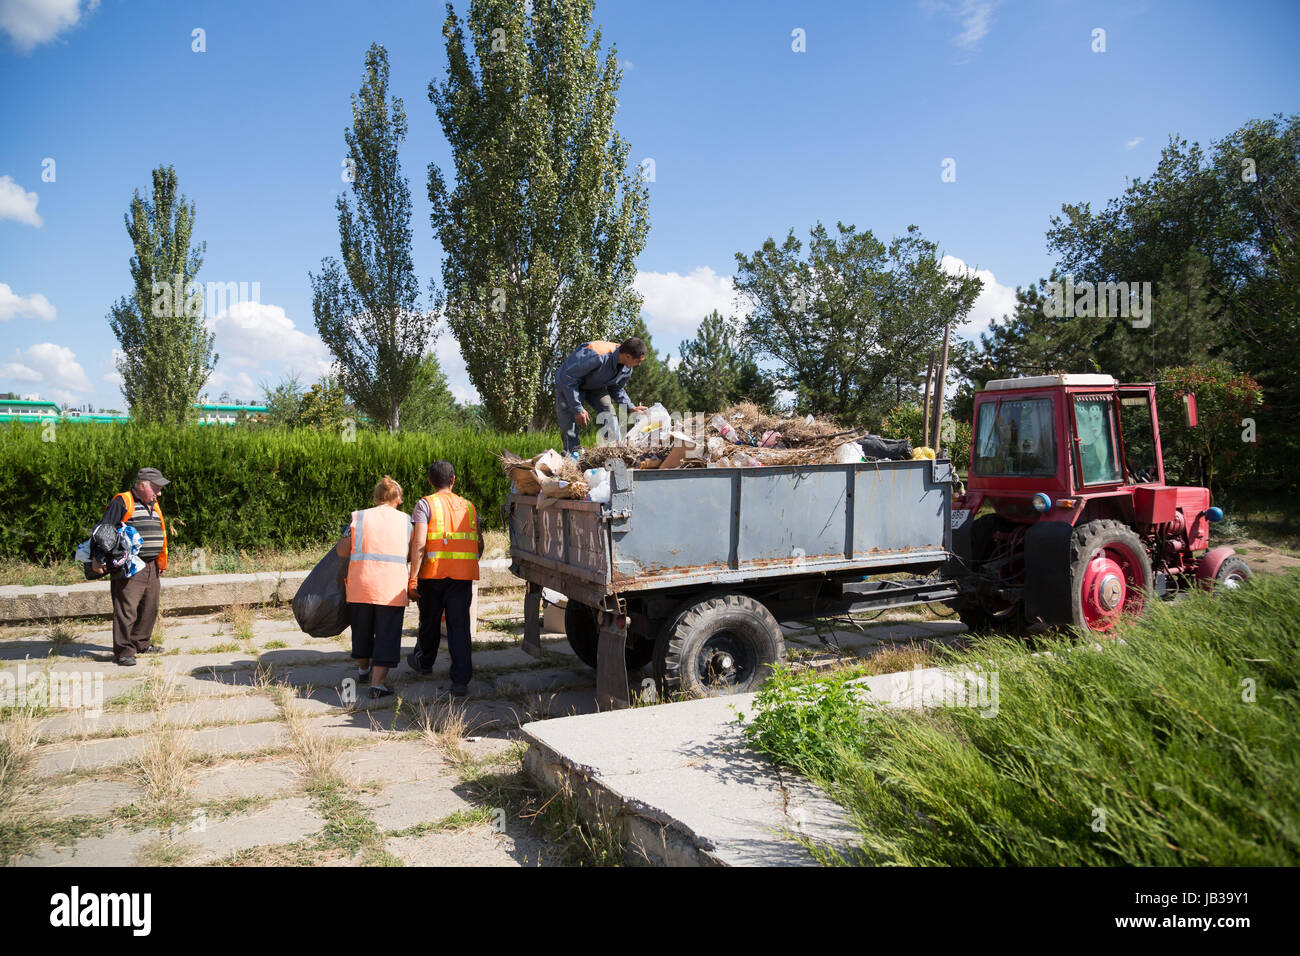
741,436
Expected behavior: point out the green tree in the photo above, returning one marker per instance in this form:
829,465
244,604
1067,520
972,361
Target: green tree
430,404
367,309
545,221
1214,449
166,347
716,371
850,318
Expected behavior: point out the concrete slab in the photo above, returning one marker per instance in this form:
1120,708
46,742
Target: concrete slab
402,805
392,761
89,798
475,847
683,787
282,821
543,680
241,778
187,592
119,847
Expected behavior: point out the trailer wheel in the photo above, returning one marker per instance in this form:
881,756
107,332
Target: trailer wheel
583,632
718,645
1110,574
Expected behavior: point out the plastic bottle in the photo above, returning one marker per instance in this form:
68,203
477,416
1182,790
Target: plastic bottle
724,428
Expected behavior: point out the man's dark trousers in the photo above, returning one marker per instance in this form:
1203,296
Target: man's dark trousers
438,595
135,609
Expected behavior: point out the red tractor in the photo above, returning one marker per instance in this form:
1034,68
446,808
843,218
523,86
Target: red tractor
1082,528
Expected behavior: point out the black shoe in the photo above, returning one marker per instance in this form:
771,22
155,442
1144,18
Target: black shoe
363,676
379,691
413,661
125,661
460,690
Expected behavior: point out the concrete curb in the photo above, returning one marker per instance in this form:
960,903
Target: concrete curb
197,592
681,787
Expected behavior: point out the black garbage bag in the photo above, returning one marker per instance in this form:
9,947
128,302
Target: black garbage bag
885,449
106,548
321,605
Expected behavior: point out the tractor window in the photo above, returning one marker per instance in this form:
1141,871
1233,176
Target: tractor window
1139,436
1094,423
1013,438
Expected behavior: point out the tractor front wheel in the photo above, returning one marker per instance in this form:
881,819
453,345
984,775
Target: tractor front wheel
1110,574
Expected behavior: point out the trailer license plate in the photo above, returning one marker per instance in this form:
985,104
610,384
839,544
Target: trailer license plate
959,516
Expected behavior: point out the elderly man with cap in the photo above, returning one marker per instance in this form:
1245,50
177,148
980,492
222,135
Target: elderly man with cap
135,598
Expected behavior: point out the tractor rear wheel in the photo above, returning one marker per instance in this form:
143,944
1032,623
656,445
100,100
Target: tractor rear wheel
982,613
1110,574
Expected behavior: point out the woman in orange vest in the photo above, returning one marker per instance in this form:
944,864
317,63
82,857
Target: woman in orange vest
376,546
446,544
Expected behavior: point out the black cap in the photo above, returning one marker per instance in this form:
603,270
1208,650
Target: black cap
151,475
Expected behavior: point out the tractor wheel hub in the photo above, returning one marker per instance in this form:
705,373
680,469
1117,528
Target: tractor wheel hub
1110,592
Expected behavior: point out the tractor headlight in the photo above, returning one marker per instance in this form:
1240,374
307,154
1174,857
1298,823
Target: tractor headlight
1042,503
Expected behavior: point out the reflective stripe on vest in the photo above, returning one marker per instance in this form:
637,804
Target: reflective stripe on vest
377,565
442,559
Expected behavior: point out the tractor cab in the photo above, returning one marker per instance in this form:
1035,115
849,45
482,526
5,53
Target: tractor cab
1070,472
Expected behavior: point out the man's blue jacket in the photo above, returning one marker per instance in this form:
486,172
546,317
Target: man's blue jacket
591,367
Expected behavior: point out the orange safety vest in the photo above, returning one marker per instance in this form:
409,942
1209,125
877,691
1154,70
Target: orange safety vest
128,499
601,347
377,566
451,544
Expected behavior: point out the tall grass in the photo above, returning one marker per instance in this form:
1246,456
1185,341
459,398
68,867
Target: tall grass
232,488
1180,746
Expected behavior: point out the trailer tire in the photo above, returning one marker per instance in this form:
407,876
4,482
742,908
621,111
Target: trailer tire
583,632
723,644
1110,574
1232,573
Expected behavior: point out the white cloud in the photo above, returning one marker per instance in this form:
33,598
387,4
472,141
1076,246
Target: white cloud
994,301
16,203
256,341
674,305
1133,142
452,364
974,17
30,23
54,366
14,306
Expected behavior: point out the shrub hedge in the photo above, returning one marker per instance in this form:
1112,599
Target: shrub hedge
231,487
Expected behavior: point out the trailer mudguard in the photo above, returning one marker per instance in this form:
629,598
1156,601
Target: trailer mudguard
1048,599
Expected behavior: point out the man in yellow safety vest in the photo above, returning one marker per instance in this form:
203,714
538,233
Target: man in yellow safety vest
446,544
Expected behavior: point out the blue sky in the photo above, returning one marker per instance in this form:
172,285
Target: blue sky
749,138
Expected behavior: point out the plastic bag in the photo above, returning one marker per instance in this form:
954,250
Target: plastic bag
848,453
650,425
321,605
891,449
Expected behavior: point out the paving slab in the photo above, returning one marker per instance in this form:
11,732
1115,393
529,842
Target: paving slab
240,738
88,755
392,761
402,805
282,821
543,680
239,779
478,846
119,847
89,798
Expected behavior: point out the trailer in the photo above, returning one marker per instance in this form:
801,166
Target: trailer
694,570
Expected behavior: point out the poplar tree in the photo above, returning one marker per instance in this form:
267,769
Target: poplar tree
543,221
166,347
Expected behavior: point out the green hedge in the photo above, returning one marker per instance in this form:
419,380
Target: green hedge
231,487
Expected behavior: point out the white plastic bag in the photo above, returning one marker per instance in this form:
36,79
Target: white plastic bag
848,453
652,425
